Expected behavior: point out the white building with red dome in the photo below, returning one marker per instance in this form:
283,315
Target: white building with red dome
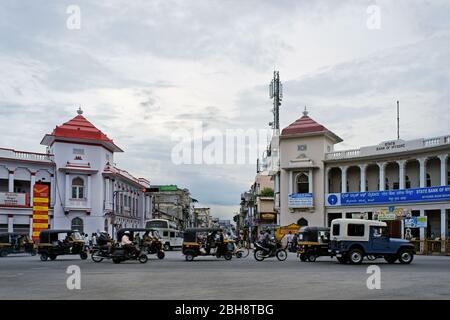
87,192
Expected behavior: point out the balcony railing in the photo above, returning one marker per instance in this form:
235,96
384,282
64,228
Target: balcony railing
23,155
355,153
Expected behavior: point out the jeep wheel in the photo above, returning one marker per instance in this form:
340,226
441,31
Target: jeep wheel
355,256
391,258
311,257
405,256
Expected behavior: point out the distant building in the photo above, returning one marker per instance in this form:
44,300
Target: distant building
172,203
87,191
202,217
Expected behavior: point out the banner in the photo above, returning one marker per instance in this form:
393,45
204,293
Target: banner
416,222
430,194
40,209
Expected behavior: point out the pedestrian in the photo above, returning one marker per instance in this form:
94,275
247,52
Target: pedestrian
289,241
94,239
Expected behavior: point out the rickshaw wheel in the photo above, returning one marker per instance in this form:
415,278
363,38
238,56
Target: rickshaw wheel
160,254
303,257
189,257
143,258
3,253
44,257
116,260
228,256
83,255
311,258
52,257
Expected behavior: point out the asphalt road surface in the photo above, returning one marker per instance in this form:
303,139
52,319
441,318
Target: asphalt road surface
26,277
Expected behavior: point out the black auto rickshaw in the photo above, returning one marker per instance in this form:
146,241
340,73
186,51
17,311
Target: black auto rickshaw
146,239
313,242
53,243
13,242
206,242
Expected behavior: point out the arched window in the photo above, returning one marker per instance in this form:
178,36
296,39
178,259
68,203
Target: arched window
77,188
302,222
302,183
428,180
77,224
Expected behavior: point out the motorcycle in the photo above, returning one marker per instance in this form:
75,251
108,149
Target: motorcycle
99,253
262,252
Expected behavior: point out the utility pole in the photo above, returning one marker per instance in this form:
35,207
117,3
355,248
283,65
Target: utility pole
276,93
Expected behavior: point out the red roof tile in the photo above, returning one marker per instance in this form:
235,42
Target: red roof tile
303,125
80,128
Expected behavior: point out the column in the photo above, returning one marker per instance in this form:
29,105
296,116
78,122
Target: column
68,193
10,223
311,181
401,174
31,227
106,193
422,172
11,181
362,169
89,191
443,158
344,179
32,182
290,183
443,228
52,190
422,232
382,166
327,181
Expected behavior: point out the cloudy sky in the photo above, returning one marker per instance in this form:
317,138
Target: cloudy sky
142,69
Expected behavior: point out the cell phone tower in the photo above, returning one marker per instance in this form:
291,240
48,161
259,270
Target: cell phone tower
276,93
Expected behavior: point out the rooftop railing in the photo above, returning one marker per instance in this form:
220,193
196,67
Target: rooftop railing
23,155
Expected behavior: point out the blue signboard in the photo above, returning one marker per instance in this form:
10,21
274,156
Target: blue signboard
389,197
300,200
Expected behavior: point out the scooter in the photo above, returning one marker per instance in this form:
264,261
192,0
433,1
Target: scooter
262,252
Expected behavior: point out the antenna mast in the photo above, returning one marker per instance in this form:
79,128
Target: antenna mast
276,93
398,120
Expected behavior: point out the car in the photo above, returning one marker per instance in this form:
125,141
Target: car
354,239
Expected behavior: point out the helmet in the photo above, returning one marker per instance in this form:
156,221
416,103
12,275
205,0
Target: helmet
127,232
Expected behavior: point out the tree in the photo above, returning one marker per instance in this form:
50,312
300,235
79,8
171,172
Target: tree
266,192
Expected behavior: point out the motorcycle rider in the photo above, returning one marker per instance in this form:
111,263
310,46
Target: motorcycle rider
104,241
127,244
267,241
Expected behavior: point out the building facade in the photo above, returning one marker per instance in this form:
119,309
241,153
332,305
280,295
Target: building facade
390,181
87,191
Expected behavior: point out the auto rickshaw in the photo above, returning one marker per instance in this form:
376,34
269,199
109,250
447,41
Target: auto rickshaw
313,242
12,242
53,243
153,246
203,242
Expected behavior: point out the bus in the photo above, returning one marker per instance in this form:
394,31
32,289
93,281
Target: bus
171,237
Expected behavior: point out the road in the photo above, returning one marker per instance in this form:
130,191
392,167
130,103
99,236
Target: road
26,277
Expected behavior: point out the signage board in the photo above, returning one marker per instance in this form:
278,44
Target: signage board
300,200
13,199
416,222
40,209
